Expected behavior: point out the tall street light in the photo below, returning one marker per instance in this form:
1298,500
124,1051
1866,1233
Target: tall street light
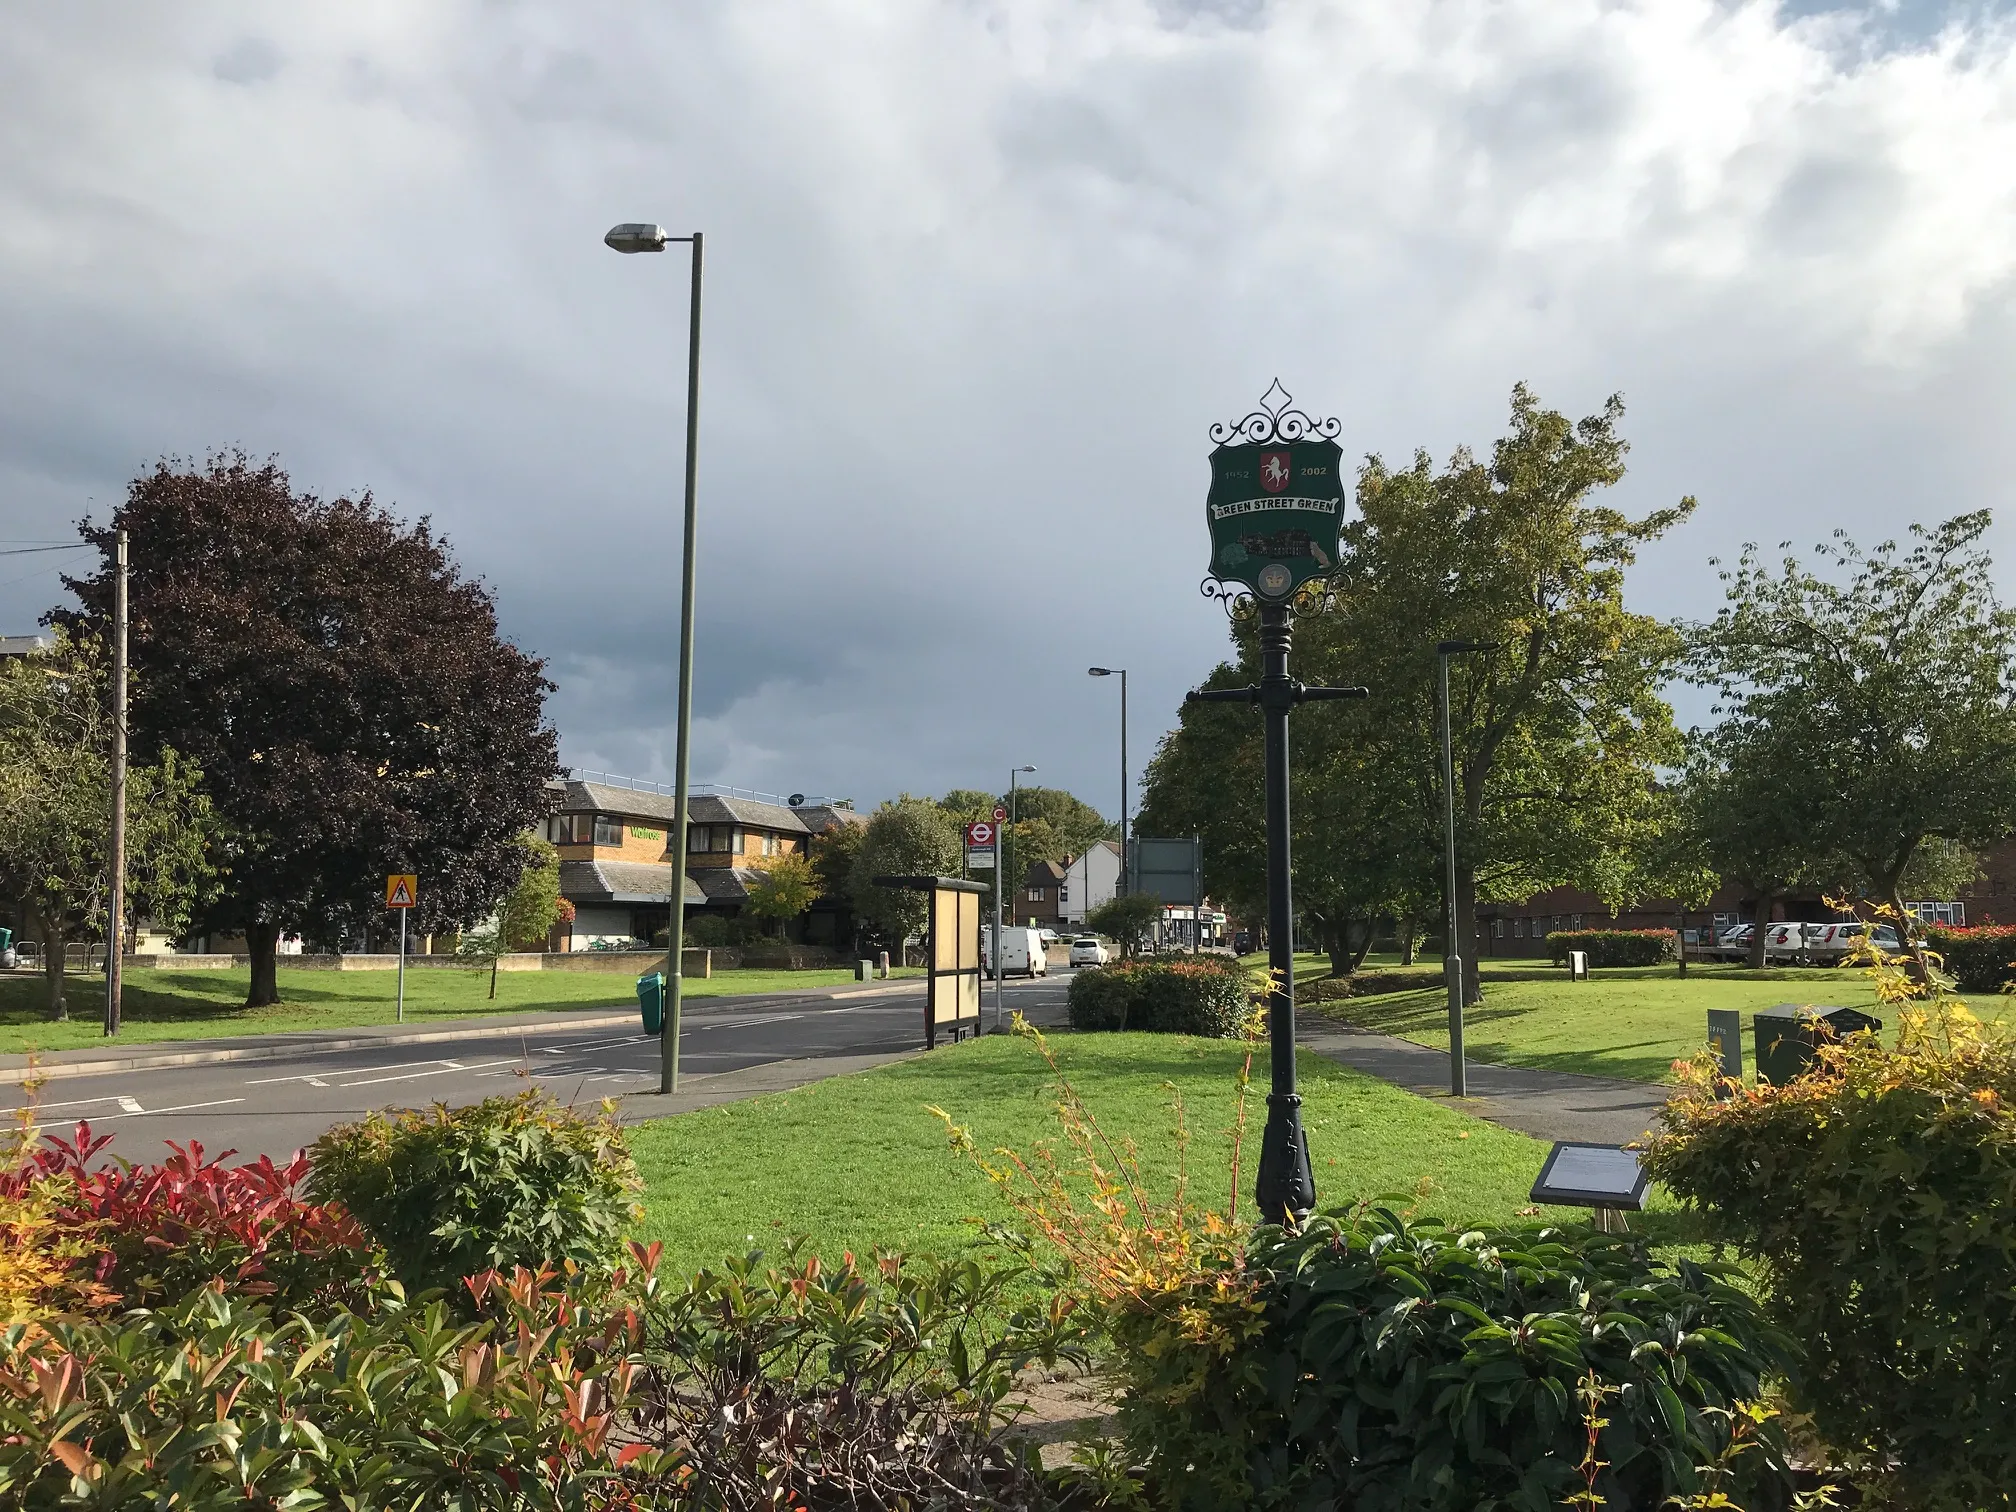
1001,886
1121,673
1452,955
636,237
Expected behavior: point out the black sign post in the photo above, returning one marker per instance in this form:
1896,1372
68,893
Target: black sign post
1275,510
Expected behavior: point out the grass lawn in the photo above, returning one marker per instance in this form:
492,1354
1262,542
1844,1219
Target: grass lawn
1626,1022
181,1005
857,1162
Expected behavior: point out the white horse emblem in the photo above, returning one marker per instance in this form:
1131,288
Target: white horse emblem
1274,471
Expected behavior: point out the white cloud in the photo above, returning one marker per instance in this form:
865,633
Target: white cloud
979,277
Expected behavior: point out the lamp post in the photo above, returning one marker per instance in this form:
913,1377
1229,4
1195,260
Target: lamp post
1001,887
1121,673
1275,512
635,237
1452,955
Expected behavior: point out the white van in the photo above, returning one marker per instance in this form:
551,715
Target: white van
1022,952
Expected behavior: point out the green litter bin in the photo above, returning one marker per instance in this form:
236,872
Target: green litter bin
651,1001
6,938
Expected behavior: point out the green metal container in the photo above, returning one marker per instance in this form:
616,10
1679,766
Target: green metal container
1788,1037
651,1001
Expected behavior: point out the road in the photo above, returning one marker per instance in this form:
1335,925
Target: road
729,1048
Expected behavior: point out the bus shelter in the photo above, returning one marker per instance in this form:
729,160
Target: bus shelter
951,953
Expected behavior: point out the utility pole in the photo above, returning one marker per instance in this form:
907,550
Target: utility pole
115,915
1452,953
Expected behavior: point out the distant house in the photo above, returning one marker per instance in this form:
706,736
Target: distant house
24,645
1040,903
616,866
1089,880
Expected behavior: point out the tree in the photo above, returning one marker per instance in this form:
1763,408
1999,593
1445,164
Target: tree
906,837
1887,680
1558,734
1129,920
786,886
55,790
344,690
525,916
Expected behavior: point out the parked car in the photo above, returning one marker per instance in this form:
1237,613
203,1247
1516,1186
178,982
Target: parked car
1834,943
1734,945
1089,950
1048,936
1022,952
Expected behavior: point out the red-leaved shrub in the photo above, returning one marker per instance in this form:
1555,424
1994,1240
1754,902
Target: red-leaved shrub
161,1231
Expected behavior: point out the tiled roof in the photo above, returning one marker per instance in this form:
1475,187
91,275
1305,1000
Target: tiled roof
819,818
725,884
1044,874
622,882
630,803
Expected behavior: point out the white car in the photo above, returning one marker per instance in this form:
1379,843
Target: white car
1088,950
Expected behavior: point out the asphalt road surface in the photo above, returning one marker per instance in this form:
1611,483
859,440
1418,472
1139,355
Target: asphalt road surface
740,1046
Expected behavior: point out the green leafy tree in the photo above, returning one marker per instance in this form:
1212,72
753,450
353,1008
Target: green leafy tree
525,916
906,837
786,885
344,690
1558,734
1889,676
1128,920
55,787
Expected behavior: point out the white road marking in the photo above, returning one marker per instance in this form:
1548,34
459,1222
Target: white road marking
316,1081
131,1105
222,1102
82,1102
439,1070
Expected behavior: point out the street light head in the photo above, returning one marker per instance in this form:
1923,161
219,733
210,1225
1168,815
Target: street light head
1455,647
1028,769
637,236
1098,671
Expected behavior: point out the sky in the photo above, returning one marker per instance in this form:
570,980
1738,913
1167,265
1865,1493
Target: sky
980,274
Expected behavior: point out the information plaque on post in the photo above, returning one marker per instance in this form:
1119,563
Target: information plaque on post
1606,1178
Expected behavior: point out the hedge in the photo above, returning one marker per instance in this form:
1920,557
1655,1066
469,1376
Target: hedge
1981,959
1879,1194
1614,947
1203,995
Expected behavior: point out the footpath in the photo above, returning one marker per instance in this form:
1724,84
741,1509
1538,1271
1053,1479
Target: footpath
1546,1104
102,1060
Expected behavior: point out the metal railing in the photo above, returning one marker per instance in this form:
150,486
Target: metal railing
703,790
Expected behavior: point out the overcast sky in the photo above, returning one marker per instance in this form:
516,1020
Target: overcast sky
979,275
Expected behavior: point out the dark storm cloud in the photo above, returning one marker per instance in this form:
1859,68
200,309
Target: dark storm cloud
979,276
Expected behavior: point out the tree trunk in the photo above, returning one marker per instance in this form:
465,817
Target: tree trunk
1682,942
262,943
54,947
1362,948
1465,941
1757,933
493,976
1336,938
1405,929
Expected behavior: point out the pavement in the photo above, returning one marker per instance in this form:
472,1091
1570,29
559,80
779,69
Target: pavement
279,1093
1546,1104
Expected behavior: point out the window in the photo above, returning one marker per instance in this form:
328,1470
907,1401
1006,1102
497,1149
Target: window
572,829
1518,930
699,840
1037,894
608,831
1498,929
1953,915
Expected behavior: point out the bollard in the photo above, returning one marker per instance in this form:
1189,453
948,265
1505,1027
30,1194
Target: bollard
863,970
883,964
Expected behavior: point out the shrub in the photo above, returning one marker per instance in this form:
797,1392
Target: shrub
214,1403
510,1181
1202,995
1879,1193
1370,1363
1981,959
144,1233
1614,947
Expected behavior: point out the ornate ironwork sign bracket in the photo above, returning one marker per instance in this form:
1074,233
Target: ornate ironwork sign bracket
1275,508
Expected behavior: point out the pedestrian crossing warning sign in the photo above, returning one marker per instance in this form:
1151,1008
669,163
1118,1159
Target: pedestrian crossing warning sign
402,891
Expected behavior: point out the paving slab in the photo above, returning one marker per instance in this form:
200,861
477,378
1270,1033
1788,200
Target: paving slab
1546,1104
